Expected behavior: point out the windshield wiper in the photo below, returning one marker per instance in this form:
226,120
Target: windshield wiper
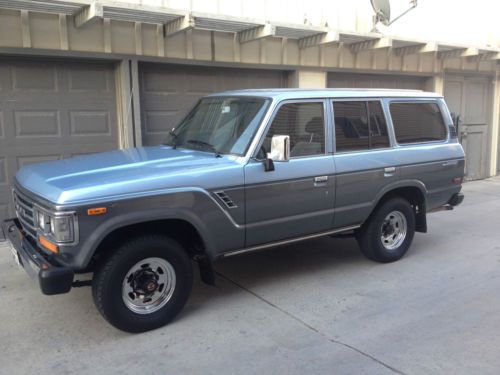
204,144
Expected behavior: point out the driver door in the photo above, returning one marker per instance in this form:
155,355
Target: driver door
297,197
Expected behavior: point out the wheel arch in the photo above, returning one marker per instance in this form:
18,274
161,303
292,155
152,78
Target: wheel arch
180,230
414,192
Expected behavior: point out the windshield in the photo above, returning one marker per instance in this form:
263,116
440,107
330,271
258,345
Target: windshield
223,125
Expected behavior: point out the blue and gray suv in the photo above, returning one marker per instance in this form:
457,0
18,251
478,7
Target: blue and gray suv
244,171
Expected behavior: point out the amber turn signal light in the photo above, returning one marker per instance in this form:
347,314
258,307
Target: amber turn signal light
47,244
97,211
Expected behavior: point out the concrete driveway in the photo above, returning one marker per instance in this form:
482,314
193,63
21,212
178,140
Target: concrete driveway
311,308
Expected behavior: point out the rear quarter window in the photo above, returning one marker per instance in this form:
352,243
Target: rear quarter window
417,122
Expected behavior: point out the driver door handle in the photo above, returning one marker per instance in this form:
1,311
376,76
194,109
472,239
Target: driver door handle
320,179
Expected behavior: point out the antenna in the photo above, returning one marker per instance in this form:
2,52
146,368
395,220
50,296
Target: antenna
382,10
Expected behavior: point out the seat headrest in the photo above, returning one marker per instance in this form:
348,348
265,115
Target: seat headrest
315,126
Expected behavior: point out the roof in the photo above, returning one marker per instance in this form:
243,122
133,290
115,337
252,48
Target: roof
333,93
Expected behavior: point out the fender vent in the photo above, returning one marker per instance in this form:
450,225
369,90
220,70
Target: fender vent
225,199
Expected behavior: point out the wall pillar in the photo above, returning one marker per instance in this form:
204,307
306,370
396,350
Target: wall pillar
124,98
495,126
307,79
129,111
435,84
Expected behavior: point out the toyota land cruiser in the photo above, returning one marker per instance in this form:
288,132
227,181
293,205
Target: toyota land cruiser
244,171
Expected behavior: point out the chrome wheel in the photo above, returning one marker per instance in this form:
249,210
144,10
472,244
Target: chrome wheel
148,285
394,229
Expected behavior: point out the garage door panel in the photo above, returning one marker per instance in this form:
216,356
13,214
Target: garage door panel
34,124
34,158
199,83
90,123
168,92
156,121
84,80
158,82
2,126
389,84
3,171
468,97
476,102
381,81
53,110
453,95
30,77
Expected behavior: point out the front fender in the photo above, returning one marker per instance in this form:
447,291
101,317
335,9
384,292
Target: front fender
218,229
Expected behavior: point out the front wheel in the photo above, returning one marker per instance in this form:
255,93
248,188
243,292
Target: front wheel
388,234
144,283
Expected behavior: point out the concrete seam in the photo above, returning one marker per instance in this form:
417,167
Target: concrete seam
310,327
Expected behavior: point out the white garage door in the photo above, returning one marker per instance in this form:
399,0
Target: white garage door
169,91
375,81
52,110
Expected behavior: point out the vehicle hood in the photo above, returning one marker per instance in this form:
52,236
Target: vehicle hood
122,173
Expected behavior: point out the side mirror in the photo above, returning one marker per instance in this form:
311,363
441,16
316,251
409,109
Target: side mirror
280,151
280,148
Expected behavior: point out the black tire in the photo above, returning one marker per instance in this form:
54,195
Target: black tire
369,236
110,274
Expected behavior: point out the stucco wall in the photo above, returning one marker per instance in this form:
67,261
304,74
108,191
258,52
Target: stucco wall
443,20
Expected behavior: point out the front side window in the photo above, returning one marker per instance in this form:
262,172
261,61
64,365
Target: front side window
417,122
359,125
304,123
224,125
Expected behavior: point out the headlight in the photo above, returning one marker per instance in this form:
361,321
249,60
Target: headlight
61,228
57,226
43,221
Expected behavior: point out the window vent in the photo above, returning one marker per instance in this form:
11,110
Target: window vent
225,199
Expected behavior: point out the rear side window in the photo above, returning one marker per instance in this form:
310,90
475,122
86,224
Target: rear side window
417,122
359,125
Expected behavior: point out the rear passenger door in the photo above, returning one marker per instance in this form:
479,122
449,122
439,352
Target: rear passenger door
364,159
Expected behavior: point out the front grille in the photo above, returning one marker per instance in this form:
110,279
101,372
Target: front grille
24,212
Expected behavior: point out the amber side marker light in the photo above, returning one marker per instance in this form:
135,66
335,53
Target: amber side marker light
47,244
97,211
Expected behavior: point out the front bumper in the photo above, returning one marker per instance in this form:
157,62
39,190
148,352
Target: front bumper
52,278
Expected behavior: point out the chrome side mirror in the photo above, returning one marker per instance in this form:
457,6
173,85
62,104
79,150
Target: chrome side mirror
280,148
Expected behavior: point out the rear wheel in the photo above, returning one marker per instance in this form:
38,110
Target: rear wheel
144,284
388,234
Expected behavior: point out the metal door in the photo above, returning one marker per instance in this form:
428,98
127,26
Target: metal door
294,200
376,81
169,91
468,98
52,110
